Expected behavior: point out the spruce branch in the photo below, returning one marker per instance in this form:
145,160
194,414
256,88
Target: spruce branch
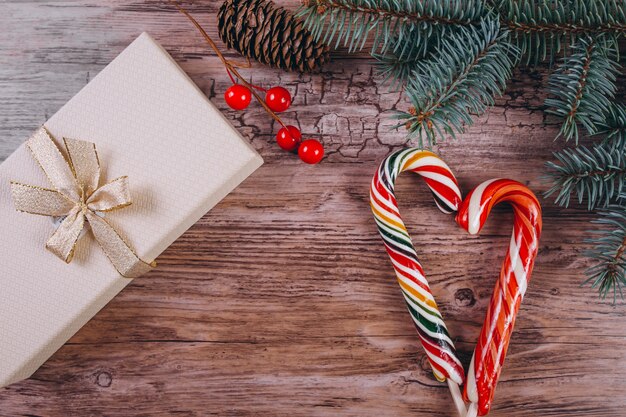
609,251
583,86
354,21
394,70
396,66
458,80
454,56
542,28
597,175
614,127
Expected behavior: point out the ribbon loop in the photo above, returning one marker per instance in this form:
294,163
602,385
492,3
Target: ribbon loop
37,200
84,162
116,249
63,240
53,164
110,196
78,197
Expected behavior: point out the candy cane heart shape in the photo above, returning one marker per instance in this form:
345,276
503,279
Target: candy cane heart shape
415,289
495,334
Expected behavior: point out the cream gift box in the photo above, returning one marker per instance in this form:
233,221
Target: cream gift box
149,122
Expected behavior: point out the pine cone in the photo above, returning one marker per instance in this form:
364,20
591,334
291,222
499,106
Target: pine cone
260,30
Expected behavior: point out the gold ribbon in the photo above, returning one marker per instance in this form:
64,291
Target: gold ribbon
77,196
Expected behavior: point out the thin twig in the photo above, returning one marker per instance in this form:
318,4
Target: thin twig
582,80
230,66
620,250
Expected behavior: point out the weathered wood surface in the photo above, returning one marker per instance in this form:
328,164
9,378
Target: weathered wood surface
281,300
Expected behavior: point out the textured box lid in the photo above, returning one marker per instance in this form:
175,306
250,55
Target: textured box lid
149,121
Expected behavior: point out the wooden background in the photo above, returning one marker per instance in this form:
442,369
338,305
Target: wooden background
281,301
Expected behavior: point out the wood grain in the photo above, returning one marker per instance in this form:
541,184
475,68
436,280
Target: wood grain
281,301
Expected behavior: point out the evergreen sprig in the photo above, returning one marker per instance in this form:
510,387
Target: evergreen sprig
454,56
584,85
597,175
352,22
609,252
458,80
542,28
613,127
395,66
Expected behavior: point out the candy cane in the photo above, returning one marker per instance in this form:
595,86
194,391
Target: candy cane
415,289
496,332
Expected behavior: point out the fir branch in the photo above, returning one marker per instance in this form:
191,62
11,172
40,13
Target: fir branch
459,80
353,21
614,126
395,70
542,28
583,86
397,65
609,251
597,175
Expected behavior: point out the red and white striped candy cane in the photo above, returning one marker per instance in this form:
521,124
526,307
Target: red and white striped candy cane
495,334
419,299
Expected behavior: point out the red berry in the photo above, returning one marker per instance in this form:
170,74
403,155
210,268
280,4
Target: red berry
278,99
238,96
311,151
289,138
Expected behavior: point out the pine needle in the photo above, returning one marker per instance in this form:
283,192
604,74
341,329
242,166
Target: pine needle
454,56
609,273
543,28
459,80
350,23
597,175
613,127
583,86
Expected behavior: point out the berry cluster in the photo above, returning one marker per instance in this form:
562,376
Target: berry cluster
277,100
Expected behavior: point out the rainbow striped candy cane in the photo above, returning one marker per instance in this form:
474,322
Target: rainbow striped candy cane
417,294
496,332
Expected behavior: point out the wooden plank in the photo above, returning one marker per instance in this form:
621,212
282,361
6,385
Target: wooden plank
310,377
281,300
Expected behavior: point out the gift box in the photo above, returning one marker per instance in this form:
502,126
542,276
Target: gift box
148,122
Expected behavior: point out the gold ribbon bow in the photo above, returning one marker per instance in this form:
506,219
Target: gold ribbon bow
77,196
